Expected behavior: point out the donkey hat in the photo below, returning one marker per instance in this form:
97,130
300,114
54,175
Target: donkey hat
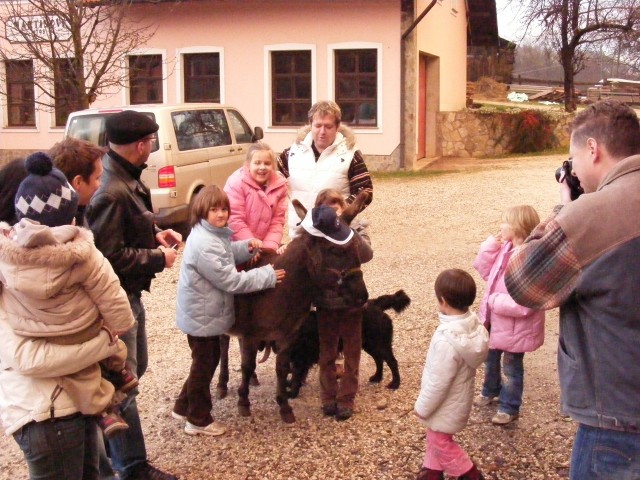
323,221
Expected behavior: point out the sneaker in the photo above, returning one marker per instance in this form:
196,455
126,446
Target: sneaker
146,471
482,401
177,416
111,423
214,429
344,413
502,418
330,409
126,380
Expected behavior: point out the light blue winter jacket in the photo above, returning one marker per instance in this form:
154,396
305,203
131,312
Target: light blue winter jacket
209,278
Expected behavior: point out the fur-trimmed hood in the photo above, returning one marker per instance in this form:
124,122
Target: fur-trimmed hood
344,134
60,285
32,244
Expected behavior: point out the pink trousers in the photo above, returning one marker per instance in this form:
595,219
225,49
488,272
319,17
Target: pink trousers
443,453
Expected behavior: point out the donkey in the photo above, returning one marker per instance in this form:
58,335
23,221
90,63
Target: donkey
272,317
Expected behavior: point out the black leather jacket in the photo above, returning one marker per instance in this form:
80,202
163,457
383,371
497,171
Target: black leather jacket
121,218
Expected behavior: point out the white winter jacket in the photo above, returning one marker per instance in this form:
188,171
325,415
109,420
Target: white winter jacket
27,396
307,177
458,347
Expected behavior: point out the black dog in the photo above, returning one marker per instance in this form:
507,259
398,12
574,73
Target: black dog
377,339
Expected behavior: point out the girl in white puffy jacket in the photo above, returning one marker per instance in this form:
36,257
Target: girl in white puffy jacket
458,347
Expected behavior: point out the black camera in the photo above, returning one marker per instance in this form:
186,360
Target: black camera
565,172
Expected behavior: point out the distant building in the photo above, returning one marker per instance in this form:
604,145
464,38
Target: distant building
488,55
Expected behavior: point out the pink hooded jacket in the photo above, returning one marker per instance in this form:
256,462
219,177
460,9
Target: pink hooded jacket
512,327
257,213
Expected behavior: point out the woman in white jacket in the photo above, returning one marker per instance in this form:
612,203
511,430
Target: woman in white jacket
458,347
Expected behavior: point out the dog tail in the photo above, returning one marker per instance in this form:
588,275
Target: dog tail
398,301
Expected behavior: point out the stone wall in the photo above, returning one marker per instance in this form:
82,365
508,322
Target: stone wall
469,133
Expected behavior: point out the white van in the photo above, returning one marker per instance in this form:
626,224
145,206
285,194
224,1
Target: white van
197,145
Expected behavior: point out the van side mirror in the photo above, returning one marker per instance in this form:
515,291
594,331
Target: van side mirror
258,134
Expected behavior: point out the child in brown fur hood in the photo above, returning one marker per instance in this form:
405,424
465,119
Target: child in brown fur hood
56,285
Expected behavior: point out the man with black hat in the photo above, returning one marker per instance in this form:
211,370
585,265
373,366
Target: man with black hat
121,217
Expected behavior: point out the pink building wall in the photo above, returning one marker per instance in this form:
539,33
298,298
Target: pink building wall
244,32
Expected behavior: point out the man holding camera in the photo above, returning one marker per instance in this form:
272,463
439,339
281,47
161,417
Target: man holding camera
585,258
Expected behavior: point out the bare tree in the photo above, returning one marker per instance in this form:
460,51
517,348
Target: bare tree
574,27
78,48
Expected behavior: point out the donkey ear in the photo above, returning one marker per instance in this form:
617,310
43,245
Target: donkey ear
300,210
355,207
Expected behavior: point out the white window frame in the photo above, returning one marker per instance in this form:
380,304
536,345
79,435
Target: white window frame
180,53
331,71
126,92
268,84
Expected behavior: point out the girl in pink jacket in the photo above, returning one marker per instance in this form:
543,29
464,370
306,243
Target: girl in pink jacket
258,197
513,329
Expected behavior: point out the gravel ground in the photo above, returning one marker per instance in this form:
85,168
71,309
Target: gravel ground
420,225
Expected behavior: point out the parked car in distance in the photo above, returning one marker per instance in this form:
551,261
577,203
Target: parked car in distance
196,145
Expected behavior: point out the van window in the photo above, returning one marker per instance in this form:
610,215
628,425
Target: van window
240,128
200,129
92,129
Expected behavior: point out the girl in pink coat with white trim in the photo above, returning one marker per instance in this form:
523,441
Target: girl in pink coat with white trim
513,329
258,197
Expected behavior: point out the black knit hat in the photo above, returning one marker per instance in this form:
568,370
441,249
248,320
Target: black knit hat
128,127
45,194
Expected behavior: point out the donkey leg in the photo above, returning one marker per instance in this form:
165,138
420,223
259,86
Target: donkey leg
282,397
248,364
223,376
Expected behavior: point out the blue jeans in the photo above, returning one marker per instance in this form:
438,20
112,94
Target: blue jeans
509,393
127,450
604,454
65,447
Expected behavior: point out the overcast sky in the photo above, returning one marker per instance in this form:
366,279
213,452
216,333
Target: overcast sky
508,21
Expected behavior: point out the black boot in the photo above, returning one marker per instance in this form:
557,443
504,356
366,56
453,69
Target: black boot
472,474
428,474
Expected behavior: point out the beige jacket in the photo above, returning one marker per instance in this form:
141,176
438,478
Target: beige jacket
55,282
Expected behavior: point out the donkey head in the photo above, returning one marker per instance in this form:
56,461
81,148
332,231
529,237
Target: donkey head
349,213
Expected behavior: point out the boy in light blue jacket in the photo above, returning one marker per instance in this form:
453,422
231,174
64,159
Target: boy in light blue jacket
205,306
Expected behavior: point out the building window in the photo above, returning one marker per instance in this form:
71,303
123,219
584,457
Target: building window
356,77
145,79
65,91
202,77
20,93
290,87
